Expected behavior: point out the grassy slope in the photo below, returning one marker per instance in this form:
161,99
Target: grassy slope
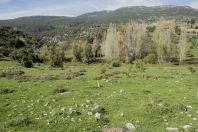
172,86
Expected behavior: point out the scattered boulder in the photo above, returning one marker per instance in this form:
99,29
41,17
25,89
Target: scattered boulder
98,116
130,127
187,127
170,129
71,111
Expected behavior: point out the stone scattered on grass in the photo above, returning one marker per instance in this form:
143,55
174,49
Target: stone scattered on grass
122,114
62,109
90,113
72,119
186,127
189,115
98,85
189,106
71,111
98,116
88,101
171,129
130,127
194,119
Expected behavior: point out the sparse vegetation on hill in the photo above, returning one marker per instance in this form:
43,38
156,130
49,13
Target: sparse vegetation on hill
101,71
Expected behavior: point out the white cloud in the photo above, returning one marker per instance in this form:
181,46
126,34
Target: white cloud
124,3
194,4
50,10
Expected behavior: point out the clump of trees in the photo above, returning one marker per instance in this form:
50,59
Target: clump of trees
131,41
82,51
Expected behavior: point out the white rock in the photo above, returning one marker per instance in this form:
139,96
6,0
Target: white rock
63,109
189,106
98,84
98,116
186,127
121,90
197,112
170,129
130,126
122,114
189,115
90,113
71,111
194,119
88,101
196,130
72,119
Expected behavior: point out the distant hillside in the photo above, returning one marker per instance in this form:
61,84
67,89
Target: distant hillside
67,28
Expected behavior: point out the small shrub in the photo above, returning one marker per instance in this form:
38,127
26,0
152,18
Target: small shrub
191,69
23,121
71,75
57,57
116,64
11,73
27,62
103,70
20,121
150,59
6,90
139,65
60,90
151,29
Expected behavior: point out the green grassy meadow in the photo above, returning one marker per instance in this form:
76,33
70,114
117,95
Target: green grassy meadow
162,96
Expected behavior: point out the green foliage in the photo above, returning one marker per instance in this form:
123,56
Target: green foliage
191,69
60,90
57,57
150,59
139,65
103,70
27,62
78,50
116,63
177,30
17,43
87,53
6,90
151,29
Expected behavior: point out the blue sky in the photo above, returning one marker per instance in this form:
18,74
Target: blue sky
17,8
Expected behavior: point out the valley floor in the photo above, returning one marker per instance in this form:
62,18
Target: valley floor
162,96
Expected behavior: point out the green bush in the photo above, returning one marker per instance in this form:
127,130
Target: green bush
116,64
191,69
103,70
139,65
150,59
87,53
6,90
178,30
78,50
60,90
27,62
151,29
57,57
